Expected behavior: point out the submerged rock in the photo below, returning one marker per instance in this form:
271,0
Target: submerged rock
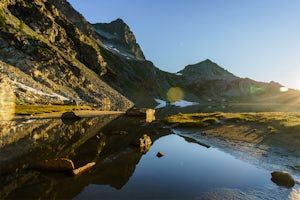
160,154
57,164
283,178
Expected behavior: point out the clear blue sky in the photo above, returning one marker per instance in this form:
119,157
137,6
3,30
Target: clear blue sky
258,39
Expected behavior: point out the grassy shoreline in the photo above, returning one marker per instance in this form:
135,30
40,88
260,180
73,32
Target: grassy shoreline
202,120
43,109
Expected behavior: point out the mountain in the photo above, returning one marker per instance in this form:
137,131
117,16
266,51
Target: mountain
205,70
50,54
211,81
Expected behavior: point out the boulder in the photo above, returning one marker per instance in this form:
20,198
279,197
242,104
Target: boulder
57,164
69,117
283,178
143,143
147,113
136,112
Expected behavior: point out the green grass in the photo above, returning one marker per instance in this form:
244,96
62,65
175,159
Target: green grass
273,119
41,109
194,120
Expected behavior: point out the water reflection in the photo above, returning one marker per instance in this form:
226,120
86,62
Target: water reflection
173,110
190,171
26,142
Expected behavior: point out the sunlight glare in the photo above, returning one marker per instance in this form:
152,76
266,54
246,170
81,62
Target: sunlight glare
7,101
175,94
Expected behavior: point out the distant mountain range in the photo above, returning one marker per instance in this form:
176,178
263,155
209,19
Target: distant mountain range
51,55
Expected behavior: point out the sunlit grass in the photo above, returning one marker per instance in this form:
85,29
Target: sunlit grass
273,119
41,109
192,120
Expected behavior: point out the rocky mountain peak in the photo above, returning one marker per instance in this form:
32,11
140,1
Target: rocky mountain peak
206,70
117,36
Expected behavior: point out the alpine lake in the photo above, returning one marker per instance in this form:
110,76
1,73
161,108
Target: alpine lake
189,167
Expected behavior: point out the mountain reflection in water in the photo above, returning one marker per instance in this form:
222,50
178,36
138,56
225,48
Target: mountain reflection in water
106,140
186,171
190,171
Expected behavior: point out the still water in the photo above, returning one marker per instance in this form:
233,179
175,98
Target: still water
190,171
187,170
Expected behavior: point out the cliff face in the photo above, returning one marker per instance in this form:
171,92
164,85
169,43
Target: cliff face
51,55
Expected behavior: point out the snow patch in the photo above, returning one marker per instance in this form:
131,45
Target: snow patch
178,74
115,49
25,87
182,103
161,103
111,47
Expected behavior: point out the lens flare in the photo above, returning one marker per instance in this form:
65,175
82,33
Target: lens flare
283,89
7,100
175,94
254,89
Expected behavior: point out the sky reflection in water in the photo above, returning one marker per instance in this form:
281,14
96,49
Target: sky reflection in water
190,171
